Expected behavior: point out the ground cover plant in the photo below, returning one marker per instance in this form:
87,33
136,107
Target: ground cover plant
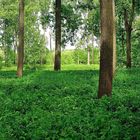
63,105
69,70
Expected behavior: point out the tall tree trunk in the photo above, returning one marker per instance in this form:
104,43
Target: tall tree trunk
41,58
78,59
114,37
92,49
5,45
57,61
128,28
15,54
123,46
128,48
15,48
88,57
21,39
92,55
107,47
50,42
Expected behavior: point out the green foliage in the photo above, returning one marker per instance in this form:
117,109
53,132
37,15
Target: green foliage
35,51
77,56
63,105
50,58
81,56
1,63
132,18
71,21
1,58
67,57
136,43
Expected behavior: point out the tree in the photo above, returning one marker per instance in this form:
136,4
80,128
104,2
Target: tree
21,39
127,10
108,43
57,61
90,24
8,29
128,27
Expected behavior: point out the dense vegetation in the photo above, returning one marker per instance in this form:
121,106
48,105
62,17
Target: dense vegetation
80,22
69,70
63,105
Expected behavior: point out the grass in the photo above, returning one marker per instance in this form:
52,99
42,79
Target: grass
64,67
63,105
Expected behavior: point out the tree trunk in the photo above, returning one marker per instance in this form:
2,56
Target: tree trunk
41,58
15,48
114,37
21,39
108,43
128,48
88,58
57,61
93,55
122,37
78,59
15,54
92,49
128,27
5,45
50,42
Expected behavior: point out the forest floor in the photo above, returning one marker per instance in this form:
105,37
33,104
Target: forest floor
63,105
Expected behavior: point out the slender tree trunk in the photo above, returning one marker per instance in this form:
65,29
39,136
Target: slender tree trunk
123,42
128,27
78,59
128,48
5,45
92,49
5,54
107,47
21,39
92,55
57,61
88,58
15,48
50,42
51,50
14,54
114,37
41,58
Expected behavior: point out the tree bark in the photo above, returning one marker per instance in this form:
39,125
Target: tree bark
78,59
88,58
92,49
128,48
123,46
128,28
21,39
92,55
57,61
15,47
114,37
50,42
108,44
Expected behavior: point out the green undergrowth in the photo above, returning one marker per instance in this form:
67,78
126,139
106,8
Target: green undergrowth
50,67
63,105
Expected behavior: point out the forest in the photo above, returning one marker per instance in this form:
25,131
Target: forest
70,69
